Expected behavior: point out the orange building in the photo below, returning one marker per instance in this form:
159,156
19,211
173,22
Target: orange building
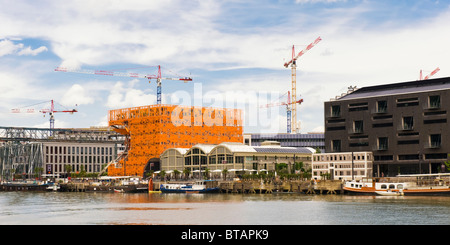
150,130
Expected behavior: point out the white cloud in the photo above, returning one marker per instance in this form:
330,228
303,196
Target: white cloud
29,51
123,97
319,1
187,35
77,95
8,47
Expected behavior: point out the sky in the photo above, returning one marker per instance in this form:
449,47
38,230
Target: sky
234,50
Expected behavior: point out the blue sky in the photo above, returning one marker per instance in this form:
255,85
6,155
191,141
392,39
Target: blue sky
234,50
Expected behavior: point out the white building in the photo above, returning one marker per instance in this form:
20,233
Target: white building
342,166
90,157
235,157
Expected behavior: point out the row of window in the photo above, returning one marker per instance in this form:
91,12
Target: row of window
61,168
434,141
382,143
78,159
381,106
79,150
407,123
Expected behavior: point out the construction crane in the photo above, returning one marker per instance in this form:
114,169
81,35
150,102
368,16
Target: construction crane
293,64
51,111
430,75
289,106
158,77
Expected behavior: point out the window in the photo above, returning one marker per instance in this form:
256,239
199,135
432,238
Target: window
382,143
358,126
336,145
381,106
407,102
336,111
363,106
408,123
434,101
435,140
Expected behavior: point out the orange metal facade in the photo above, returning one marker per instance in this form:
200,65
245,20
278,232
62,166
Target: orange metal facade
152,129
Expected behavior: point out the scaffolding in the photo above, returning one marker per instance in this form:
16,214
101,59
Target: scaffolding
150,130
21,159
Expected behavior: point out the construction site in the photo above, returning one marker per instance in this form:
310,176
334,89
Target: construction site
135,138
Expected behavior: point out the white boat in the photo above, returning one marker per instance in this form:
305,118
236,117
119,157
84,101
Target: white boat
53,187
382,186
202,186
390,193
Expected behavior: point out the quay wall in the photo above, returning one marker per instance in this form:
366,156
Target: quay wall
247,186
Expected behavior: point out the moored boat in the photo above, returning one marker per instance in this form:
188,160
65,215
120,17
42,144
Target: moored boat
202,186
390,193
383,186
24,186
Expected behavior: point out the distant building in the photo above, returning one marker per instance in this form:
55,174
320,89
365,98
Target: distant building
313,140
342,166
405,125
88,157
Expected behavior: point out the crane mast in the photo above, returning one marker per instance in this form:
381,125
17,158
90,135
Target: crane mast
289,106
293,64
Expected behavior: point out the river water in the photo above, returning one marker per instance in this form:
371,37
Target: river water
78,208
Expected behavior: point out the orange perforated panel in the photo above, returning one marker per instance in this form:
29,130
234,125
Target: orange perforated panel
153,129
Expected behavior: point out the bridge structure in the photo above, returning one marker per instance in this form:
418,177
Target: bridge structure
22,149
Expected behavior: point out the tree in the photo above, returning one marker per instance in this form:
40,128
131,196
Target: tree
186,173
447,163
176,173
38,171
68,169
162,174
207,173
224,172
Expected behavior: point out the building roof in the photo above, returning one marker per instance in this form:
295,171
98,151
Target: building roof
399,88
237,147
204,147
182,151
284,149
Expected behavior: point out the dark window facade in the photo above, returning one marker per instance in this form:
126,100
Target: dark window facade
405,125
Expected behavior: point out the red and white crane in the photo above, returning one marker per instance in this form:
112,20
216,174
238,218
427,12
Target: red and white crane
429,75
289,105
293,64
51,111
158,77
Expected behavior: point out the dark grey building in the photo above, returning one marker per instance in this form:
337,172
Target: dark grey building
405,125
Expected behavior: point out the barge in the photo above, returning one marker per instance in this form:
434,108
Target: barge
383,186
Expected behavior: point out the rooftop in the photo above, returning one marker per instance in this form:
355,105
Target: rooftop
399,88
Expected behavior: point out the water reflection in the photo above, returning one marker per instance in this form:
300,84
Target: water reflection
221,209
